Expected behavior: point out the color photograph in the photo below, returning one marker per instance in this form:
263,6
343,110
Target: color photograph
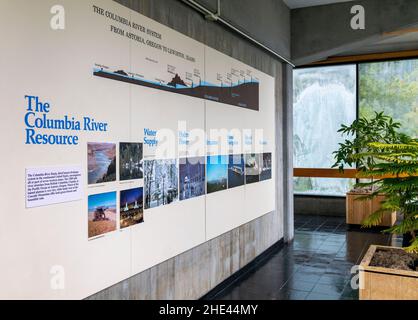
160,182
131,207
102,213
236,171
217,173
252,168
265,173
192,177
101,162
130,161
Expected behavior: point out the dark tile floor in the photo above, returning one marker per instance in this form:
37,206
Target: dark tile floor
316,266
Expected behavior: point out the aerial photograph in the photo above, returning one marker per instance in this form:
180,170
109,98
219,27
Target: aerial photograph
252,168
160,182
130,161
131,207
217,173
101,162
236,171
102,213
192,177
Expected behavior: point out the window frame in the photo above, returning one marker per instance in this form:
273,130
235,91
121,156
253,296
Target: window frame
357,92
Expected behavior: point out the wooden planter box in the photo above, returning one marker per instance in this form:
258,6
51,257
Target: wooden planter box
358,210
378,283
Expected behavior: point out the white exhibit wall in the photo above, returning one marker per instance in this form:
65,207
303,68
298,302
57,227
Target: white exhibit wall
46,250
253,132
171,229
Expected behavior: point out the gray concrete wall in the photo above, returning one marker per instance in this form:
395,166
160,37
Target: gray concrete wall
268,21
323,206
192,274
321,31
195,272
287,142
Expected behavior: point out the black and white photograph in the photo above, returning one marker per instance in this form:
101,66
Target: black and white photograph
160,182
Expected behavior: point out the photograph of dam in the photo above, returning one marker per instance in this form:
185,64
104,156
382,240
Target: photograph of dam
241,94
236,171
192,177
131,207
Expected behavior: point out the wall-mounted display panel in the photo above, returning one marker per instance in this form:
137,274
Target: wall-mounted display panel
239,132
129,114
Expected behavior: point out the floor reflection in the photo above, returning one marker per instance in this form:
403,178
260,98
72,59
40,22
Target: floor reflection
316,266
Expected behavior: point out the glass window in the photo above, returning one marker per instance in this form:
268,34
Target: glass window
324,98
323,186
392,87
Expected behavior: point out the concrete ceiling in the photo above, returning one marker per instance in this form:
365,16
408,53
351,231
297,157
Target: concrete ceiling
401,40
293,4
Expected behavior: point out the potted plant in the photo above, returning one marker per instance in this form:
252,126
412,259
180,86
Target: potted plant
362,132
388,272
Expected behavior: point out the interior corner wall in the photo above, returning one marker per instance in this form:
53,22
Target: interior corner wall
192,274
287,138
315,36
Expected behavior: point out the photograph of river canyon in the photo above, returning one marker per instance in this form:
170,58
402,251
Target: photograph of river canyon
101,162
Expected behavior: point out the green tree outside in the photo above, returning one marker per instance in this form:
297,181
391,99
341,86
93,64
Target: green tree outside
391,87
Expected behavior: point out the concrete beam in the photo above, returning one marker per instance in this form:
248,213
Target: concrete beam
267,21
287,140
323,31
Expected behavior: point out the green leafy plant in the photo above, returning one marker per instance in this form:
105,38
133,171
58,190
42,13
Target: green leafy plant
389,160
360,134
395,176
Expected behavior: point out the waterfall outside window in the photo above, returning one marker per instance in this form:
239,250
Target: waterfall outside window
324,98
